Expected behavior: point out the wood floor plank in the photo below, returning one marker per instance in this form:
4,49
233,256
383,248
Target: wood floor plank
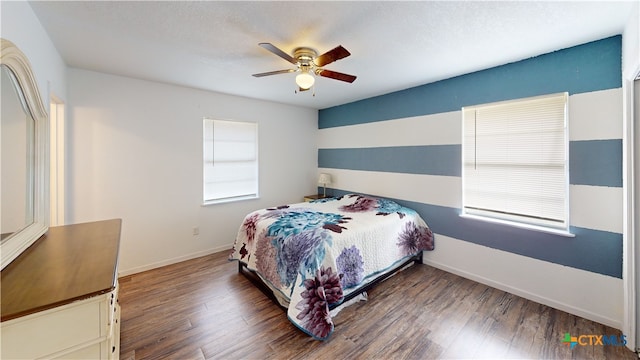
203,309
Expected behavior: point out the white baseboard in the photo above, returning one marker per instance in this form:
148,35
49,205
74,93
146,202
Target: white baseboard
172,261
543,282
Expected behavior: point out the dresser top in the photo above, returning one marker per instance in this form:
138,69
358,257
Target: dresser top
66,264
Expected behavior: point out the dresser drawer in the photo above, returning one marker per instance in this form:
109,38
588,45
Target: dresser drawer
95,351
54,331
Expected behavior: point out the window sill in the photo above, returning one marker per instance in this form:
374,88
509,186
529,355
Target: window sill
230,200
547,230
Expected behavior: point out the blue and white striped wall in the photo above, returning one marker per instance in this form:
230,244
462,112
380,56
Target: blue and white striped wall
407,146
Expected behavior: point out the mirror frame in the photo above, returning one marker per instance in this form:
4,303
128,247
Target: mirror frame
19,241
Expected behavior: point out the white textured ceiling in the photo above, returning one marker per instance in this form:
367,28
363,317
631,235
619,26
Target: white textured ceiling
213,45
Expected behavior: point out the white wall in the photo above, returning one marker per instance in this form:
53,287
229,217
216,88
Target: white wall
20,25
135,152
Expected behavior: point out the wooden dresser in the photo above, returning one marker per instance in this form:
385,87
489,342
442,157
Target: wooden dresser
60,297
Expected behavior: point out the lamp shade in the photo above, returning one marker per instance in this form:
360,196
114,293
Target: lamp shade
324,179
305,80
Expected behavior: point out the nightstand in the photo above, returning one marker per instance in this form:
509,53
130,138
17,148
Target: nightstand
315,197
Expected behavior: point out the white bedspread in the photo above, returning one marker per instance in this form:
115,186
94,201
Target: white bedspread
316,253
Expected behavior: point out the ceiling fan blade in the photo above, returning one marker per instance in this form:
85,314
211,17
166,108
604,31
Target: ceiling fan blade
279,52
332,55
337,75
275,72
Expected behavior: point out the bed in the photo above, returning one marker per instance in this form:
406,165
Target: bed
315,256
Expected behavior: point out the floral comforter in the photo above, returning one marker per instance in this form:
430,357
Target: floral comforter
316,253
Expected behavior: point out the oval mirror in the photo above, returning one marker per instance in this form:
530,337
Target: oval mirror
17,140
24,159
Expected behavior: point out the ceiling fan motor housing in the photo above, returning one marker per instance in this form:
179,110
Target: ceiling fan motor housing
305,56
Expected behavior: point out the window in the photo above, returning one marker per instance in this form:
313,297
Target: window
230,161
515,162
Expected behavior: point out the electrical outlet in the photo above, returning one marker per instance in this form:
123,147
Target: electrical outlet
196,231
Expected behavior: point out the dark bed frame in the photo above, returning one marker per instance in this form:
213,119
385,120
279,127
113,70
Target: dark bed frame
257,281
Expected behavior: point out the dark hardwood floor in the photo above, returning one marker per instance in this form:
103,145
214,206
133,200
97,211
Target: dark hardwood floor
204,309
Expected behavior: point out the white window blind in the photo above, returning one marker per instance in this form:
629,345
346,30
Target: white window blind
230,160
515,161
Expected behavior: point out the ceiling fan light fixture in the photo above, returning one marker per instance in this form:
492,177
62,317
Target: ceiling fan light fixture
305,80
309,64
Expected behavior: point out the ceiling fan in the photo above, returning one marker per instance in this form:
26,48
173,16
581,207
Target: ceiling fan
308,64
